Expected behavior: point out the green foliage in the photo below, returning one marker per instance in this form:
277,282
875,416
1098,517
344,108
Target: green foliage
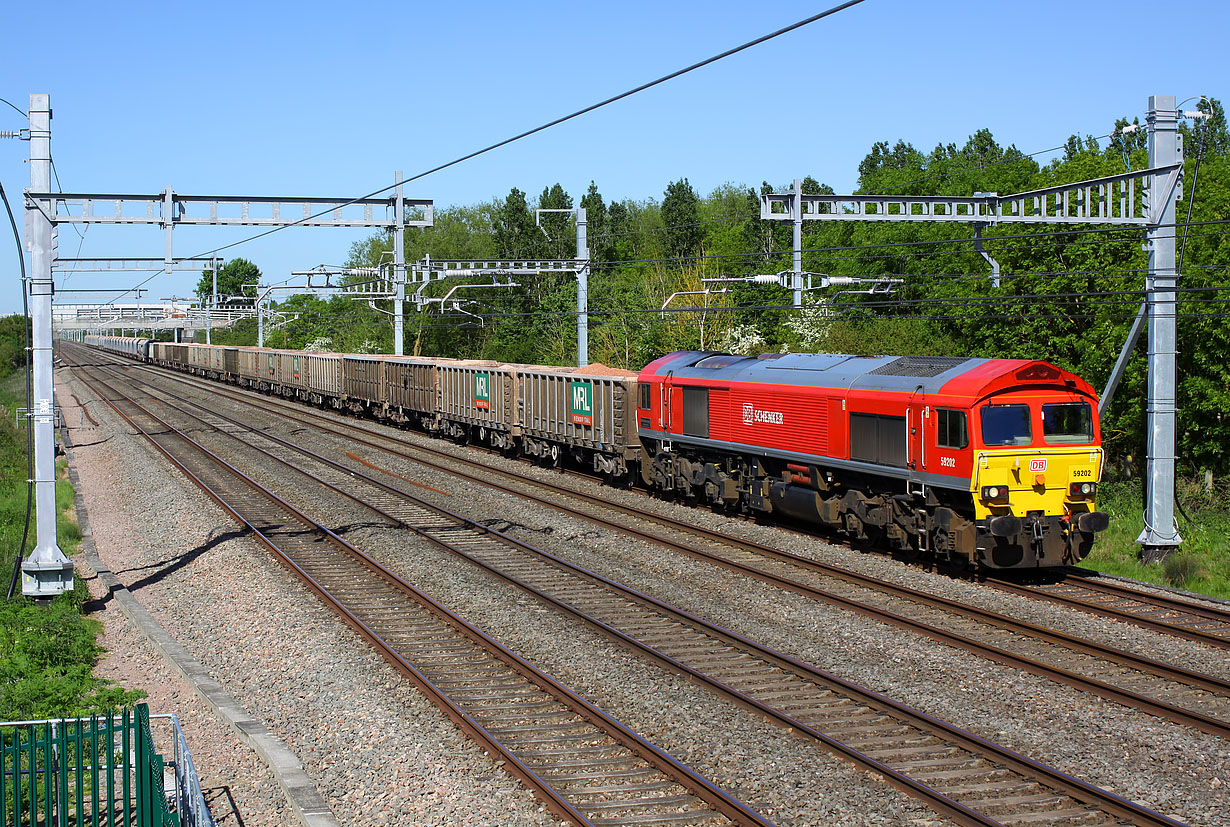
516,234
681,217
46,650
1201,565
46,653
558,230
600,247
12,344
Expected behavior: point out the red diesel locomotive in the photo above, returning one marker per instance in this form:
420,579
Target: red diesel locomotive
993,462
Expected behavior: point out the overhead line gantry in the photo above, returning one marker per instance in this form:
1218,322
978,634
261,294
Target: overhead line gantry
47,572
1141,198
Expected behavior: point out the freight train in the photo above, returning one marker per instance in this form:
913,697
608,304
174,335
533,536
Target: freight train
985,462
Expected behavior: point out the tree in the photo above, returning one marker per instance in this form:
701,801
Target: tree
893,171
618,226
600,248
681,215
516,235
236,279
558,236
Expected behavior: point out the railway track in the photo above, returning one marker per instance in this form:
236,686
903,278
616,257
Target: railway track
1169,615
958,773
1174,616
586,766
1171,692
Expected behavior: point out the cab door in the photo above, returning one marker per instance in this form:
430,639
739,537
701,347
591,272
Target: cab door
917,418
666,401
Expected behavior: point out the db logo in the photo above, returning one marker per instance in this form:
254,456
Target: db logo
1037,466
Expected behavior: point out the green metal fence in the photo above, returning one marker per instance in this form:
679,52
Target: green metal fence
100,770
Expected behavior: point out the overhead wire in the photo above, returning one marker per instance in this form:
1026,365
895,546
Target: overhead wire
1098,299
21,112
80,233
671,76
811,251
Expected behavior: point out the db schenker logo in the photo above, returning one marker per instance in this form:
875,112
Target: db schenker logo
751,415
1037,466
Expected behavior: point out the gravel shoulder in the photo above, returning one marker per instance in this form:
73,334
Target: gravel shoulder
380,753
377,750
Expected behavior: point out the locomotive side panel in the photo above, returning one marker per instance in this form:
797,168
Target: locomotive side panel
780,418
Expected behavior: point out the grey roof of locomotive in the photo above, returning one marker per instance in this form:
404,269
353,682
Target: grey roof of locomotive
901,374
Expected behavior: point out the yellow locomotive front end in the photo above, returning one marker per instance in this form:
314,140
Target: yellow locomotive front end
1036,472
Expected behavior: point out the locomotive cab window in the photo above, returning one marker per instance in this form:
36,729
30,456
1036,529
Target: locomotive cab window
1006,425
1067,423
643,391
952,430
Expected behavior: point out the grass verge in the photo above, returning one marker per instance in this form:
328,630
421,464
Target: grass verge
47,649
1202,562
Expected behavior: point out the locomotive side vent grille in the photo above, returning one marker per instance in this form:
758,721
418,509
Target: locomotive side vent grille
920,366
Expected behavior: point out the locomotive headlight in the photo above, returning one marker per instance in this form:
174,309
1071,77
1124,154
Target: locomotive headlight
1083,489
995,492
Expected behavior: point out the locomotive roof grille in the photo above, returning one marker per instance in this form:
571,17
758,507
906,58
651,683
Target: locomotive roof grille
920,366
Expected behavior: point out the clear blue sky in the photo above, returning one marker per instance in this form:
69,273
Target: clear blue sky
307,98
